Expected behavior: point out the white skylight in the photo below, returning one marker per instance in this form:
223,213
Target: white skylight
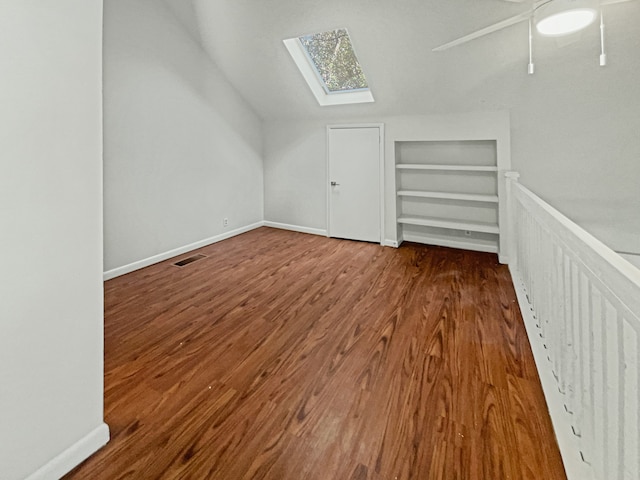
330,67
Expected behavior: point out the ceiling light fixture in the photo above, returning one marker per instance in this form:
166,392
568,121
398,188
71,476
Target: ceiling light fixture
563,17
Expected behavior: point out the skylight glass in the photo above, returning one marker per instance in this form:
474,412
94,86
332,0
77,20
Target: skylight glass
332,55
329,65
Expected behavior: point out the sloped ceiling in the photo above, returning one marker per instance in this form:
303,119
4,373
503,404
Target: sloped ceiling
393,40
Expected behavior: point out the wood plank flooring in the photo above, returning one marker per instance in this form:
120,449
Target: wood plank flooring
290,356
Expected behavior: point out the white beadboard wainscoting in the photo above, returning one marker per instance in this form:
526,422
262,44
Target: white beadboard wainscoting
581,306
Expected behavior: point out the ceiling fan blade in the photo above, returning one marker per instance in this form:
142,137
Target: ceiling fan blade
485,31
497,26
506,23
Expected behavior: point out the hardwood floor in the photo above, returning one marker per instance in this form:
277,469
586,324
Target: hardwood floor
290,356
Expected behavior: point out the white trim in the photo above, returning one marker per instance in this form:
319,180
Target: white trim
390,243
74,455
296,228
575,468
355,125
297,52
116,272
451,243
623,278
380,127
328,186
382,176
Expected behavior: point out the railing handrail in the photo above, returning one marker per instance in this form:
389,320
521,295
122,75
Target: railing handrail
580,303
601,259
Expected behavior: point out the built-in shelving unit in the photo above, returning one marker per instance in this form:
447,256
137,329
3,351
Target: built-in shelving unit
448,193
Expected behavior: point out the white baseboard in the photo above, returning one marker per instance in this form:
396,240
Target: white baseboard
390,243
451,243
503,259
73,456
296,228
575,467
116,272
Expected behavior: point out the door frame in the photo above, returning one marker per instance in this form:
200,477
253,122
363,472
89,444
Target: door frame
380,127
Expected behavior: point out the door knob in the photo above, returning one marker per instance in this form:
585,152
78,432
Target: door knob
334,184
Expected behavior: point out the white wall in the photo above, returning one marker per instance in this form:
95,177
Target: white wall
51,366
295,173
182,149
576,138
575,143
296,160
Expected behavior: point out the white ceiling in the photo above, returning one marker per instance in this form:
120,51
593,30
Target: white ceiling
393,40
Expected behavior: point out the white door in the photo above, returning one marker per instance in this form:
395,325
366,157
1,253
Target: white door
354,183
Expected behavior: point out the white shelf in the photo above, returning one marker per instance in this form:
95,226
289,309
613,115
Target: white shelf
480,227
469,197
443,241
451,168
